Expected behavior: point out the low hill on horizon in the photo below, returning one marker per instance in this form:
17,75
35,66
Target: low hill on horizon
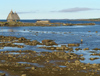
92,19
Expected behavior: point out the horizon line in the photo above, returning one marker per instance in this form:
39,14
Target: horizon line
56,19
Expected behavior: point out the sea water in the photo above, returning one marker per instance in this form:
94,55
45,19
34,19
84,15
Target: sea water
61,35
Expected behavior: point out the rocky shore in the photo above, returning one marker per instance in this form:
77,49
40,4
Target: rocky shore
42,24
55,63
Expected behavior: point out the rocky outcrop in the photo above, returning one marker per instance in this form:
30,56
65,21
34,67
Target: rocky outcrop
22,38
48,42
2,74
72,45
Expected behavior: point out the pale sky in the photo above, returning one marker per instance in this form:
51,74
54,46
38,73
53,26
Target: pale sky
51,9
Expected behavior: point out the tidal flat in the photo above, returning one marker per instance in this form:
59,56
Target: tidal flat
52,51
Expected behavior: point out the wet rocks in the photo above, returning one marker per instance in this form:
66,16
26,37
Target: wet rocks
64,46
20,46
10,56
2,36
50,60
86,49
33,68
77,62
7,38
10,45
98,54
96,49
58,48
94,58
22,38
84,68
2,74
23,75
96,32
73,45
66,55
3,23
82,58
78,49
34,43
1,47
48,42
50,48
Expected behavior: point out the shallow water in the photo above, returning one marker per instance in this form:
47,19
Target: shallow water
6,73
35,64
61,35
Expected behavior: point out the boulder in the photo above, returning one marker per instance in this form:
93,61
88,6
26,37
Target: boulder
33,68
22,38
86,49
96,31
35,42
63,46
78,49
2,74
23,75
77,62
60,48
94,58
48,42
96,49
72,45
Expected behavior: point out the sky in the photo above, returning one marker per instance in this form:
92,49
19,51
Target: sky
51,9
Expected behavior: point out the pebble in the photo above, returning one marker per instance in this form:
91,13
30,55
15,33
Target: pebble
33,68
23,75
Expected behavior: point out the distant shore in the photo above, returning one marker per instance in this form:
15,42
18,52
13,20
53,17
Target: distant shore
43,24
86,19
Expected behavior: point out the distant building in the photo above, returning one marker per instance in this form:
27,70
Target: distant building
43,22
13,17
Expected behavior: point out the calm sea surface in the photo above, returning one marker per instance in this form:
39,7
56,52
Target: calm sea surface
61,21
60,34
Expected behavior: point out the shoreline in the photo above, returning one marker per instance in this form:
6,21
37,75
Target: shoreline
43,24
85,20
